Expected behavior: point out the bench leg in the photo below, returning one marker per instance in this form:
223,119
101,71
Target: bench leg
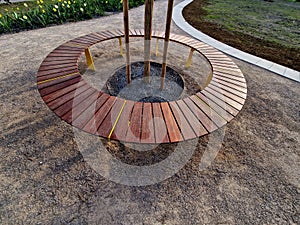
89,59
121,47
156,47
189,61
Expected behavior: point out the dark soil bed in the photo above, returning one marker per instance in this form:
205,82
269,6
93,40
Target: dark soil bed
286,56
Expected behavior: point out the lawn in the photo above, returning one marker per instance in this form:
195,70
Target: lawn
269,29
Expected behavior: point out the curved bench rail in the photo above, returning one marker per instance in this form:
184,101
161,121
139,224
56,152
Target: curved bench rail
67,94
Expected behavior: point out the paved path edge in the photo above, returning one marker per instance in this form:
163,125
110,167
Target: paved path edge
263,63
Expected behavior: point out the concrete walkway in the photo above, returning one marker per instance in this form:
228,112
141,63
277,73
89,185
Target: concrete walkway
268,65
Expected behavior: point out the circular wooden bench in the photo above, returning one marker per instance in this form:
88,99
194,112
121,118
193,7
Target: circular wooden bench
75,101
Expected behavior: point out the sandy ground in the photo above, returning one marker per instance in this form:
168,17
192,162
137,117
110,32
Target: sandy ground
45,178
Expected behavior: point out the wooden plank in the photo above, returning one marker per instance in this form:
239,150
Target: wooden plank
109,121
234,76
226,99
197,126
241,84
58,70
184,126
147,130
226,93
172,127
51,58
209,124
57,66
49,87
54,62
231,90
225,64
90,112
160,127
80,104
134,130
50,97
221,102
230,85
210,112
62,100
65,110
99,116
57,75
218,109
121,128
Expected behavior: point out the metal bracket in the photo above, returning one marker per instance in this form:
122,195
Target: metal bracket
121,47
89,59
189,60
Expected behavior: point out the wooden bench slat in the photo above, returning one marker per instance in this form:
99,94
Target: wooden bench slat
218,109
67,97
230,85
49,87
184,126
202,117
226,93
99,116
210,112
192,119
65,110
241,84
221,102
147,130
108,123
134,130
80,104
232,77
160,127
223,97
57,70
69,72
229,89
66,61
172,127
121,128
51,58
82,121
54,95
57,66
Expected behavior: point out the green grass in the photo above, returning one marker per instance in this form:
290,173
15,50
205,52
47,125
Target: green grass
41,13
276,21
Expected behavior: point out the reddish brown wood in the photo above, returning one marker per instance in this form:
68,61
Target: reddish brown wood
191,118
57,66
80,104
54,62
62,100
172,127
148,133
122,126
86,116
47,78
57,71
109,121
50,97
184,126
65,110
160,127
99,116
49,87
134,130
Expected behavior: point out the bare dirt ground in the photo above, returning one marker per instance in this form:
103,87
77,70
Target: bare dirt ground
44,178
